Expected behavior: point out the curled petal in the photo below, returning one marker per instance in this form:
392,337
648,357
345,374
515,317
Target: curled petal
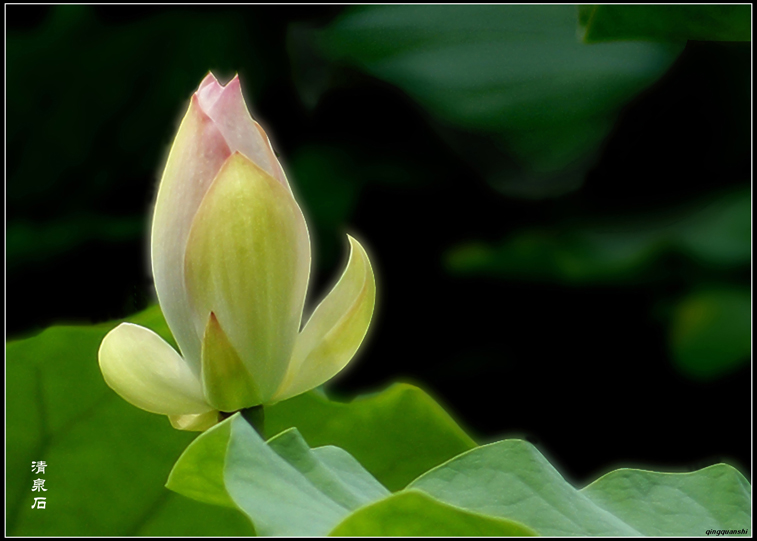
195,423
227,384
248,262
147,372
226,106
335,330
198,152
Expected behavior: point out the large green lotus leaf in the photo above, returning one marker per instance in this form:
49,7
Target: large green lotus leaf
518,74
286,488
715,235
412,513
711,334
341,477
511,479
107,461
396,434
687,504
665,23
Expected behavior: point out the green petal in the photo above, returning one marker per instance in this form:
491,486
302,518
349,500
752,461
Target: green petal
335,330
226,382
248,262
141,367
195,423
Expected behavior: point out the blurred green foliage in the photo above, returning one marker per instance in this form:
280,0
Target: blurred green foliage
716,236
711,332
515,73
666,23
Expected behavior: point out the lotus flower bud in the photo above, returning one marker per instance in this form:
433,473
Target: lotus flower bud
231,262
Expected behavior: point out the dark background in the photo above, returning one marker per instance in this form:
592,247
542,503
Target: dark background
94,96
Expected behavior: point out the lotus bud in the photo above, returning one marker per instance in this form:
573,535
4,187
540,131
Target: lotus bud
231,261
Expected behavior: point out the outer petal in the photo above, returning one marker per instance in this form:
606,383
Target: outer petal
335,330
197,154
226,383
226,106
141,367
248,262
196,423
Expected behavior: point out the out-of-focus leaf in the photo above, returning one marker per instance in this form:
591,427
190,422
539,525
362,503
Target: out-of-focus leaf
517,73
107,461
413,513
711,332
665,23
327,185
579,257
27,241
295,493
396,434
718,235
511,479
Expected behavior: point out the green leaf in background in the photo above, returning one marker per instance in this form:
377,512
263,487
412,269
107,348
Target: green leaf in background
712,331
29,241
567,256
396,434
297,492
665,23
511,479
517,74
107,461
716,236
413,513
720,234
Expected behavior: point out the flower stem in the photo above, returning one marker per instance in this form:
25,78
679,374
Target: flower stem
256,418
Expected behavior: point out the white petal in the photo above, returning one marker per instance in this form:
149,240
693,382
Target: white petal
336,329
197,154
147,372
